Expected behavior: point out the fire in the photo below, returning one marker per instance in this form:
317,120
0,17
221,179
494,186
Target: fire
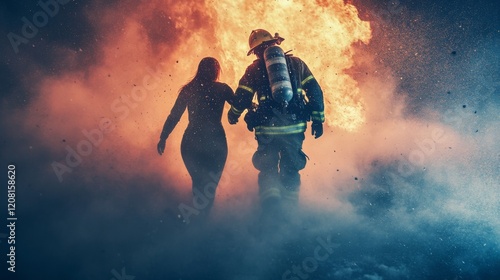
319,32
162,42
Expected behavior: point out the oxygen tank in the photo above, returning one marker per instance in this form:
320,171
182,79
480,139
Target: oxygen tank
279,78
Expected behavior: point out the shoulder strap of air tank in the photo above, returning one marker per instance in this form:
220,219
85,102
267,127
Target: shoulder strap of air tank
293,77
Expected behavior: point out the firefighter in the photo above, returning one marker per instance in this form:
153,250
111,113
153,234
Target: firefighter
204,144
278,118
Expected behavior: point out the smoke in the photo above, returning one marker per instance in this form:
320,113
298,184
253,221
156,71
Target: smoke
118,102
411,192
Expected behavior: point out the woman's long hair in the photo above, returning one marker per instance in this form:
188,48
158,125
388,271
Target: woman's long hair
208,71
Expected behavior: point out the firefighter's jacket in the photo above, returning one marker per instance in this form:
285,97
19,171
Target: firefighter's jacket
268,117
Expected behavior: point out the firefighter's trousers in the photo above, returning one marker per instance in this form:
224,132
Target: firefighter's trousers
279,159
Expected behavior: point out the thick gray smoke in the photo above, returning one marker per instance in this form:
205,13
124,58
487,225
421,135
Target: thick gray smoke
412,194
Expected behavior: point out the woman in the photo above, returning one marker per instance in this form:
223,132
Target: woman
204,145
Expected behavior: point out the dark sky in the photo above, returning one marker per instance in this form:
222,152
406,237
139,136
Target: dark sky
116,213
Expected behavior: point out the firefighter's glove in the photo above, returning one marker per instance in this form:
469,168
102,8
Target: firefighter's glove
249,127
250,120
317,129
232,117
161,146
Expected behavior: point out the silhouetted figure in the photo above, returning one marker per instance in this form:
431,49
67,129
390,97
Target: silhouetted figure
288,96
204,145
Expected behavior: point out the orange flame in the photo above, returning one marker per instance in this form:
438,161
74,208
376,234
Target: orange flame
320,33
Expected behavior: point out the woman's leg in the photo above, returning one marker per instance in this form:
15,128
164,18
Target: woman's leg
204,158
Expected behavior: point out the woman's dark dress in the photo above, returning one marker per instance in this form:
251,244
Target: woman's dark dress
204,144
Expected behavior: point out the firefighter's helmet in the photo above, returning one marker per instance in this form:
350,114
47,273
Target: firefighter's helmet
261,36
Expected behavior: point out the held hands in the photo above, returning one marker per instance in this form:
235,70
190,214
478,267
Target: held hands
317,129
161,146
232,117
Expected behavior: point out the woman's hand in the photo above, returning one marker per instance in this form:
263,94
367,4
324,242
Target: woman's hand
161,146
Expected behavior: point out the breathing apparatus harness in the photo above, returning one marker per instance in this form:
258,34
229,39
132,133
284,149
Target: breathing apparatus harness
291,105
